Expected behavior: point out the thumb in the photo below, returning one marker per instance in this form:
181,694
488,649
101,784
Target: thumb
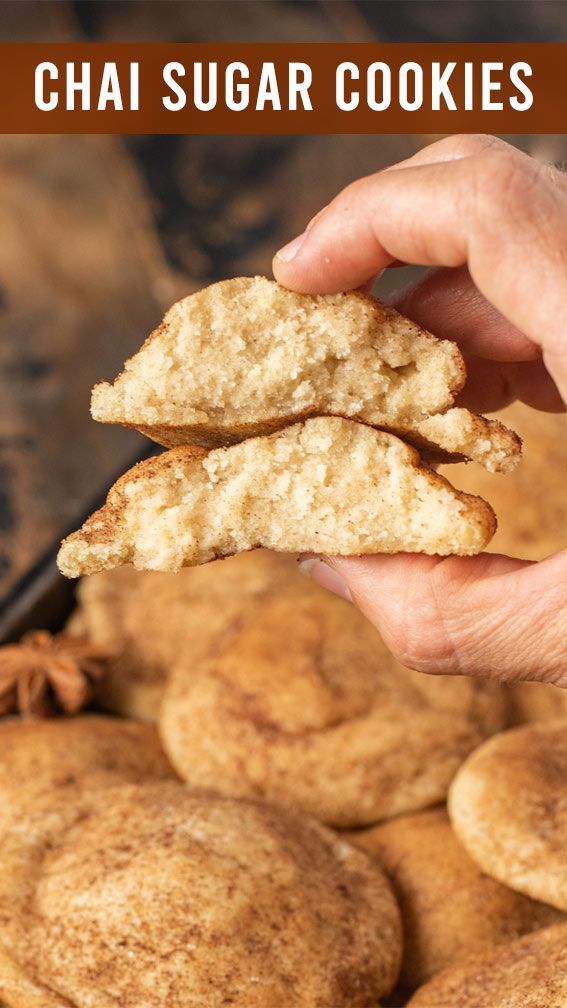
488,615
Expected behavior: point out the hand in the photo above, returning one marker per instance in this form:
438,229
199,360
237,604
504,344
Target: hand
495,221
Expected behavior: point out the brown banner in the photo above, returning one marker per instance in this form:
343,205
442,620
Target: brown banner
281,88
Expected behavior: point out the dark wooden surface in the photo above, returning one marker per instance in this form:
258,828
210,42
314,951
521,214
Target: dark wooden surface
99,235
81,280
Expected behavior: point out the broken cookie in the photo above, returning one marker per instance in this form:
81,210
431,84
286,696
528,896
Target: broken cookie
327,485
247,357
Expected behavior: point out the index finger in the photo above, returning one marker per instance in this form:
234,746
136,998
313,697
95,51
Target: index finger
498,211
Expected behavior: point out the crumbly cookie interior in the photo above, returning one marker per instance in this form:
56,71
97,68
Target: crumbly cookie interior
329,485
247,349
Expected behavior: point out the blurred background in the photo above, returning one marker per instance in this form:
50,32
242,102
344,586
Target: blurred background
100,234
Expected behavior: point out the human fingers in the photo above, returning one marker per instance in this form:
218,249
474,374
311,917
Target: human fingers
452,148
502,365
460,145
498,211
447,302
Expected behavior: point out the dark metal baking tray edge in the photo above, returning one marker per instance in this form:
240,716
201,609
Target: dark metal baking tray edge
43,599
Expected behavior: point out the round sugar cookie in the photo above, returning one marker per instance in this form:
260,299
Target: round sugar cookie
299,701
152,620
50,772
530,972
39,757
160,896
450,908
508,806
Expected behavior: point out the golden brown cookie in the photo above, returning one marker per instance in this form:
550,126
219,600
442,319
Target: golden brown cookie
299,700
246,357
149,621
49,772
156,896
327,485
450,908
530,972
38,757
508,806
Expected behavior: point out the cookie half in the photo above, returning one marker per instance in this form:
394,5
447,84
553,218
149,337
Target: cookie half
530,972
246,357
327,486
450,907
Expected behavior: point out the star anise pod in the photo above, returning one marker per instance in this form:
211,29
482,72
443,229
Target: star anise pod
44,674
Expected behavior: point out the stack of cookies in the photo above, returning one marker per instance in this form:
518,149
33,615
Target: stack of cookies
293,422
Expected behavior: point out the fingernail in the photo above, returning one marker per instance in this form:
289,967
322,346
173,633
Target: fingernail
289,251
326,576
